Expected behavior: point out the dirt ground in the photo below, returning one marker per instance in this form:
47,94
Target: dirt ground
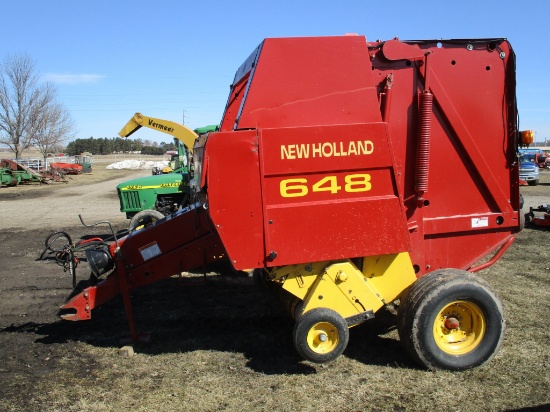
219,344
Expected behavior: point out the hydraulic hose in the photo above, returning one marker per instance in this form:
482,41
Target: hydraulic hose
60,245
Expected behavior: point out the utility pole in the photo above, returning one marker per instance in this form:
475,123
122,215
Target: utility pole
183,117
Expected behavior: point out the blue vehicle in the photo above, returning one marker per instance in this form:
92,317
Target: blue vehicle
529,169
531,151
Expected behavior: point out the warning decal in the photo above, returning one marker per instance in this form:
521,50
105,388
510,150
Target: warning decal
149,251
480,222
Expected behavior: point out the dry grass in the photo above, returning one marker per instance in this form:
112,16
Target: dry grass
225,346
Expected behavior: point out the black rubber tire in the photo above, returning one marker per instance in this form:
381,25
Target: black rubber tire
426,298
143,219
335,325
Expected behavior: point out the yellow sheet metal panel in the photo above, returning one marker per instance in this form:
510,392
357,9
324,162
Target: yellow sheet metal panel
326,294
351,284
342,287
298,279
338,286
389,275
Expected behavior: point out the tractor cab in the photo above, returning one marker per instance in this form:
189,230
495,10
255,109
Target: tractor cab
86,160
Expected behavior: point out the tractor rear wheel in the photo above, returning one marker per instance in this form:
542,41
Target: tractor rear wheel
143,219
321,335
451,320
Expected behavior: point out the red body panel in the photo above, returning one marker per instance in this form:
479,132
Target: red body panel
311,82
303,94
472,161
258,220
234,195
321,185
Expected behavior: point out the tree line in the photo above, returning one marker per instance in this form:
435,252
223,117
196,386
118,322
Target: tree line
104,146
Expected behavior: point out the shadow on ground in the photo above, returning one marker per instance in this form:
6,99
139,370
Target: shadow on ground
215,313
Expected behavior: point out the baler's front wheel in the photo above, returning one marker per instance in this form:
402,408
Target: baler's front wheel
451,319
321,335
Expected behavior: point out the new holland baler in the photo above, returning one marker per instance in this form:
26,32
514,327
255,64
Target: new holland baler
362,174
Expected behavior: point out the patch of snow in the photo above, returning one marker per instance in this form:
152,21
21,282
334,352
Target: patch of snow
137,164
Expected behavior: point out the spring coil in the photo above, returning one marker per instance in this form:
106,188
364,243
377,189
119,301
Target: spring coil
423,148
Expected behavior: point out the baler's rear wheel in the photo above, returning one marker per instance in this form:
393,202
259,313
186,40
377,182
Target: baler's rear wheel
459,327
143,219
451,319
321,335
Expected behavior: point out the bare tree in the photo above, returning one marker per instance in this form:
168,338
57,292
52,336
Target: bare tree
54,126
24,104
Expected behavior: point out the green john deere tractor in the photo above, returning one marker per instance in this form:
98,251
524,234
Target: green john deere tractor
150,198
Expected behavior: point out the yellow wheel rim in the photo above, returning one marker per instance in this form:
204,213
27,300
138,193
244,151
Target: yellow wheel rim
459,327
322,337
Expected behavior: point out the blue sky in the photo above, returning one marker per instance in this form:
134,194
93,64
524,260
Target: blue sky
170,59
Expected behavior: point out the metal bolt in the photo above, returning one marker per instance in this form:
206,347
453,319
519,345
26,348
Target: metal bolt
502,55
341,276
470,47
323,337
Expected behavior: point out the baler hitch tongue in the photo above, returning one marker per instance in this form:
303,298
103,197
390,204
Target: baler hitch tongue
79,306
76,316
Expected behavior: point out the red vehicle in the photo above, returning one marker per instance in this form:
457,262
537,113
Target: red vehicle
364,180
69,168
